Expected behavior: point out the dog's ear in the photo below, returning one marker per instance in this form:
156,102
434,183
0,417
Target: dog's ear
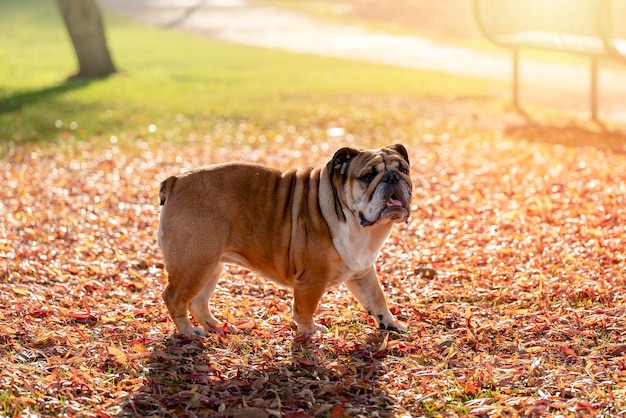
339,164
337,168
399,148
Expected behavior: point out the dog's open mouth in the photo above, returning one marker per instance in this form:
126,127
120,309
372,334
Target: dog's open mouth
393,202
393,211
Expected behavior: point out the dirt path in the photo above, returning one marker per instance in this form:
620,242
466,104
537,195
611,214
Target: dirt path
560,86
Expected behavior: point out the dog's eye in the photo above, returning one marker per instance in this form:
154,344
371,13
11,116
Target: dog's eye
367,178
404,170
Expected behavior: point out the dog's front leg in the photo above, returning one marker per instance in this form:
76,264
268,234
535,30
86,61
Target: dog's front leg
366,288
306,296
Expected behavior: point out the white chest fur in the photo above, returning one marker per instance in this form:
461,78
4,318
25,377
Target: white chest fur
359,246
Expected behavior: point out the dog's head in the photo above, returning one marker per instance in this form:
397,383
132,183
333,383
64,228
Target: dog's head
374,185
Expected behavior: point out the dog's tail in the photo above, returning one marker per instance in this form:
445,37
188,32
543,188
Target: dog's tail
166,188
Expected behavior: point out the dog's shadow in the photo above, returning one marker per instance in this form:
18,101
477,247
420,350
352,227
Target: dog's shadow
308,377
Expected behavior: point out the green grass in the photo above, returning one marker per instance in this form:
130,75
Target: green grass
179,82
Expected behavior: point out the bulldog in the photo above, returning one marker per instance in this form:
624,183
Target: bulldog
307,229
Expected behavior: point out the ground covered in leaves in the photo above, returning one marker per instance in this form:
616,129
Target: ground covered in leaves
526,314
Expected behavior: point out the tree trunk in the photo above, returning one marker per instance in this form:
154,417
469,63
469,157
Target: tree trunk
84,24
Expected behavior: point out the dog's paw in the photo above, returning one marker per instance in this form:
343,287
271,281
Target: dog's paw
315,329
393,327
198,333
189,335
396,327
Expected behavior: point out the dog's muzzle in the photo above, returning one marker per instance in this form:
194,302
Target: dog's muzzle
391,200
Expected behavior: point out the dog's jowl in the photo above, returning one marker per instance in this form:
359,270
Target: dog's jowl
305,229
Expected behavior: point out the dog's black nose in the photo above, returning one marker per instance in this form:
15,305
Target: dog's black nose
391,177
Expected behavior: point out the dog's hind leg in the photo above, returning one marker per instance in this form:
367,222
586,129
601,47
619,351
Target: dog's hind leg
185,285
199,305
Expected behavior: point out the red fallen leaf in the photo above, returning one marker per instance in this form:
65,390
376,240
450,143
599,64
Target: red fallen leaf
581,405
568,351
141,340
101,414
303,361
81,333
618,351
140,313
40,313
337,411
216,369
91,287
470,389
246,325
298,414
83,316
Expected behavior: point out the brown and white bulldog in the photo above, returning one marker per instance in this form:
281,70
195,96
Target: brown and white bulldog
305,229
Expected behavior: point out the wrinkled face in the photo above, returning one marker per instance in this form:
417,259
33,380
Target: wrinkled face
373,184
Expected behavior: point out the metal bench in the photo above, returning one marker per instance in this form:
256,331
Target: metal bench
586,27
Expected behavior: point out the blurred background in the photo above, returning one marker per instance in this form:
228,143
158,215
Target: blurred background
434,50
425,35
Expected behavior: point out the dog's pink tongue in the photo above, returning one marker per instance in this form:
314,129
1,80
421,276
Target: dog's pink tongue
393,202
